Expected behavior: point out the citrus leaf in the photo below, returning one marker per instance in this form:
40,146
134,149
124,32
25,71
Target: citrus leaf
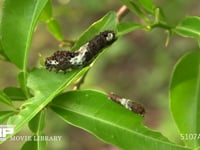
15,93
55,29
52,24
189,27
17,27
34,144
147,5
95,113
5,99
134,7
47,12
126,27
19,20
4,115
45,86
37,124
185,95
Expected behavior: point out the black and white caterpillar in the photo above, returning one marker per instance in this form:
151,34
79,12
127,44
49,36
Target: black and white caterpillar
64,60
127,103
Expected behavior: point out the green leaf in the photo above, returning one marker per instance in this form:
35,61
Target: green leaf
47,12
108,22
134,7
189,27
1,47
15,93
34,144
18,24
185,95
52,24
5,99
95,113
126,27
37,124
55,29
22,79
4,115
45,86
140,6
2,51
17,27
147,5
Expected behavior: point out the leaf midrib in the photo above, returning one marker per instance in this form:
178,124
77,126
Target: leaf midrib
28,43
189,30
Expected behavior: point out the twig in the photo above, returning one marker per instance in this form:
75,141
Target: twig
66,43
80,81
123,11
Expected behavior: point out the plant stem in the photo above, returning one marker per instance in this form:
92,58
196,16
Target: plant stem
80,81
122,12
161,25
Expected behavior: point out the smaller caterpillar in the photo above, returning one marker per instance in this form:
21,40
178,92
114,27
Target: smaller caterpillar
64,60
127,103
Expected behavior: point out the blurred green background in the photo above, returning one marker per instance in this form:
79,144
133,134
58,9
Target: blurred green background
138,66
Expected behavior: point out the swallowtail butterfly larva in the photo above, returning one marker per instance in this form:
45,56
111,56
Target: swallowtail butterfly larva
64,60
